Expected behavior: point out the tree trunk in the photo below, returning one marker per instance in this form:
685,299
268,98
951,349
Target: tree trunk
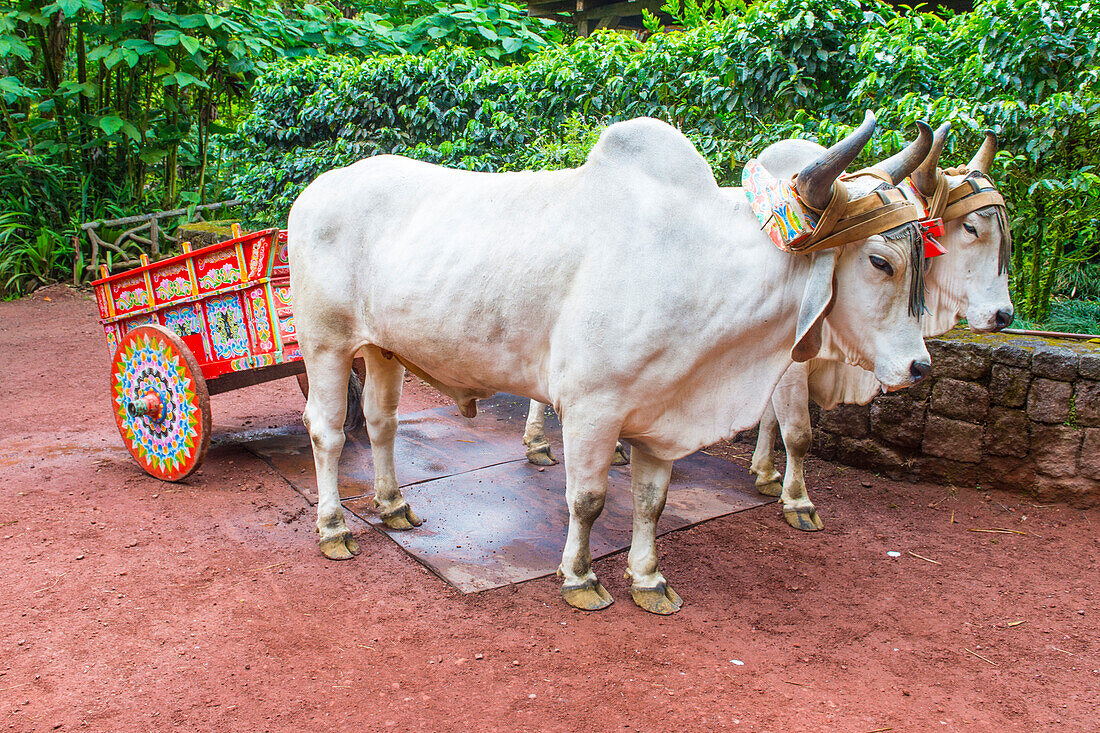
1036,261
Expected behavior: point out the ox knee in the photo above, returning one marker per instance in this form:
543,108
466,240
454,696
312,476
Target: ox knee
587,504
798,441
382,428
326,440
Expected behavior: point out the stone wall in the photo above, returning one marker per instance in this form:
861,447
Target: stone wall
1014,412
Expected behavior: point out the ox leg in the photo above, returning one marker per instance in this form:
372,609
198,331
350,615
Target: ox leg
538,445
534,436
381,394
649,478
792,408
763,457
589,448
324,415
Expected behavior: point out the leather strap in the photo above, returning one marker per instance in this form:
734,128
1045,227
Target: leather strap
843,222
937,202
973,193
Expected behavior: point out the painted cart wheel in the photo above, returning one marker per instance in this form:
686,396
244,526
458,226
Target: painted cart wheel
160,402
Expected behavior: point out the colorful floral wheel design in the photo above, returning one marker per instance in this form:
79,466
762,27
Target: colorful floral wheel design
160,402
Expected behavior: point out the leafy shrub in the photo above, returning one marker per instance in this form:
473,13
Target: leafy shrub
117,99
734,81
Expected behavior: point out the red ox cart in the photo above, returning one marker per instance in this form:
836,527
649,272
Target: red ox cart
205,321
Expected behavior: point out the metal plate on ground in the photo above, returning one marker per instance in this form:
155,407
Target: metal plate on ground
430,444
490,517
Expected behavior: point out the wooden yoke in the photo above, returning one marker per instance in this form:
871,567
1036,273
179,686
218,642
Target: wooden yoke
843,222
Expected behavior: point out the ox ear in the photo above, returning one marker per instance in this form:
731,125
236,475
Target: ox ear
817,301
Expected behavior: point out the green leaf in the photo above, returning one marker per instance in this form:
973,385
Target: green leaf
185,80
190,44
192,21
216,128
111,124
131,132
166,37
152,156
13,89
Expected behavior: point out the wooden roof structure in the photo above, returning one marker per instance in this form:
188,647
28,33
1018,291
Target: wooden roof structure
590,15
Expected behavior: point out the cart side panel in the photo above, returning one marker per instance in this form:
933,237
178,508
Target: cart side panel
130,294
129,324
228,332
282,258
260,315
186,322
261,255
218,270
102,295
171,283
284,314
114,337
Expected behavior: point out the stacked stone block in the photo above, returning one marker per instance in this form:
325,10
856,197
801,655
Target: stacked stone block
1014,412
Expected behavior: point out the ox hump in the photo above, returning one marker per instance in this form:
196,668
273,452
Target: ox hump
655,149
785,158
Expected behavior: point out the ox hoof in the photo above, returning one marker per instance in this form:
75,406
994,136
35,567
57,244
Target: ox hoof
340,547
540,455
660,599
588,596
621,458
803,519
771,488
403,517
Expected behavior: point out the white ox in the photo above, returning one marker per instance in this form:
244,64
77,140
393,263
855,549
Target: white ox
970,280
632,294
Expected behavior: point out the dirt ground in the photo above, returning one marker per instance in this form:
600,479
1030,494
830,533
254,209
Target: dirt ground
129,604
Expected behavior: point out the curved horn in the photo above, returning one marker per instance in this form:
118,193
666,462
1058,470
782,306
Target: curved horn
925,175
815,181
983,159
902,164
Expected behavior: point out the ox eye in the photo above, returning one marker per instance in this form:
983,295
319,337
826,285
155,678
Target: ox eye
970,229
881,264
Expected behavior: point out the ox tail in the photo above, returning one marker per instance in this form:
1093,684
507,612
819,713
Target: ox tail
354,419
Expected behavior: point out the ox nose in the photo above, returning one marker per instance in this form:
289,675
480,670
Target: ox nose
1003,319
919,370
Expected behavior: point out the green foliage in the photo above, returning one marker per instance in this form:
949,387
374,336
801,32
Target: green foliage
736,80
110,104
1074,316
501,31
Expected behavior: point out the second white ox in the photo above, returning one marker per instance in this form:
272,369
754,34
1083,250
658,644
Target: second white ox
970,280
632,294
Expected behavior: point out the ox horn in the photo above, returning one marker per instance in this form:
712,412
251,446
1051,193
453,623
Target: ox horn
925,175
983,159
815,181
902,164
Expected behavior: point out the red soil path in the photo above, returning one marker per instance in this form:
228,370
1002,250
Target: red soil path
128,604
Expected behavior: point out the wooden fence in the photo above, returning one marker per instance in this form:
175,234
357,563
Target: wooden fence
146,233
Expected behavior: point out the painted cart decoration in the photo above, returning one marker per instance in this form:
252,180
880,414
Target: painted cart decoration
200,323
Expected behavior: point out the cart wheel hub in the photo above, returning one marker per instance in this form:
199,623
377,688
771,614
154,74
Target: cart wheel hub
148,405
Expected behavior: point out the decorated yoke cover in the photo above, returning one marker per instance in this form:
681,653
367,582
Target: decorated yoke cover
776,205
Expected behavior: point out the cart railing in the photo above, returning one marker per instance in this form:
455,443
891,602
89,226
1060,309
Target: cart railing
145,231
